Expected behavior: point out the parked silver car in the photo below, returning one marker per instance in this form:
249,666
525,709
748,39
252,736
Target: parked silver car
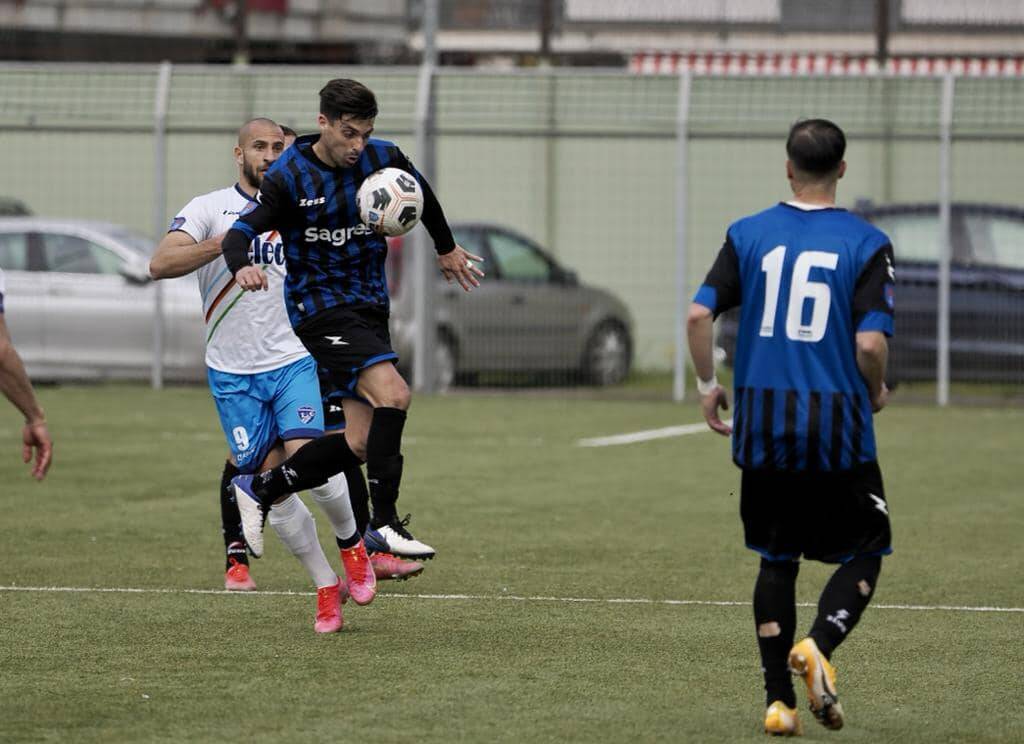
529,318
80,303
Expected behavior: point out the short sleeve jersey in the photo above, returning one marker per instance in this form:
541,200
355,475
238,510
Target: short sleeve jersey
246,332
333,258
806,281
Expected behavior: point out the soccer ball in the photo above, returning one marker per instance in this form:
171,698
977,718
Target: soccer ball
390,201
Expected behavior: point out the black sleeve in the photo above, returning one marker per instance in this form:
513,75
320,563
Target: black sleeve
265,214
724,278
874,291
433,216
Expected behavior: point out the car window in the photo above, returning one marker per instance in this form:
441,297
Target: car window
997,241
915,237
518,260
75,255
14,251
130,239
471,240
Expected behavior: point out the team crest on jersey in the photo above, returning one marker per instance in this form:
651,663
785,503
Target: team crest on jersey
306,414
247,208
176,224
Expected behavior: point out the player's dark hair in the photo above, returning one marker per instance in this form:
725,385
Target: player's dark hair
341,97
816,146
288,131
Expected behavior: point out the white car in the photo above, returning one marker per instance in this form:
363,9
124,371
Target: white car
80,304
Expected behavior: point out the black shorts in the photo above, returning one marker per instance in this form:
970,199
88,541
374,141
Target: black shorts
344,341
824,516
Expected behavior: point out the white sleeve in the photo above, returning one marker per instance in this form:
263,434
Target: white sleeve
194,219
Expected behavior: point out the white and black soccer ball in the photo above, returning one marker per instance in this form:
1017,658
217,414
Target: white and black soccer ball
390,201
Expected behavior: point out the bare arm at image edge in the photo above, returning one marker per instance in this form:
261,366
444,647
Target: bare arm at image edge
15,385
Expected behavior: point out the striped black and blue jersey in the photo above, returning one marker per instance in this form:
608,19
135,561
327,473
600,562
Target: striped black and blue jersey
806,281
332,257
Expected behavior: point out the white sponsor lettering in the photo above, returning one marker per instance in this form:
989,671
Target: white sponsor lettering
312,202
335,237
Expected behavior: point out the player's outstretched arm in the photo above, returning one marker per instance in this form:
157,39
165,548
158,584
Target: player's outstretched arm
700,330
457,265
14,384
179,254
455,262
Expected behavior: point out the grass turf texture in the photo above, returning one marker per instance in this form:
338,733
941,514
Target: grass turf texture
515,509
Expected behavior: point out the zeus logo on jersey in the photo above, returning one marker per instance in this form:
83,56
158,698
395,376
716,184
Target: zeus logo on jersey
312,202
335,237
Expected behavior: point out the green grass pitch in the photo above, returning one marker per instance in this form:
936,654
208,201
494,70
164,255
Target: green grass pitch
485,646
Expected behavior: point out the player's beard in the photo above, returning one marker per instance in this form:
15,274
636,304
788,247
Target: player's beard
251,175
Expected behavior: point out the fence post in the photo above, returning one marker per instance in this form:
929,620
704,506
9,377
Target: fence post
682,222
945,238
163,88
424,331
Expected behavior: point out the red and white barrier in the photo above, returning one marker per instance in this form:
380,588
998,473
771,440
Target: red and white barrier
753,63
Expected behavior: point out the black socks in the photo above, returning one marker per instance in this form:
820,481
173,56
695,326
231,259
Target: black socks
384,463
845,597
842,602
359,497
309,467
775,620
231,522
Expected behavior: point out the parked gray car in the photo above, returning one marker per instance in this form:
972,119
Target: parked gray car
530,317
80,304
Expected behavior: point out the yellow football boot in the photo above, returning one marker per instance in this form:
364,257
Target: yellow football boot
806,661
781,720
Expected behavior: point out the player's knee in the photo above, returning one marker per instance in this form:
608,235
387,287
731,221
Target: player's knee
357,445
397,396
779,572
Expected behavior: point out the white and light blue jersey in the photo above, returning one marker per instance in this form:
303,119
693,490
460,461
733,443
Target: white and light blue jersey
246,332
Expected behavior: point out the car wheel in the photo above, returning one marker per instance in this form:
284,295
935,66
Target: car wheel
444,362
607,355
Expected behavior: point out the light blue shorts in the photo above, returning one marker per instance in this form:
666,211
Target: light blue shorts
258,410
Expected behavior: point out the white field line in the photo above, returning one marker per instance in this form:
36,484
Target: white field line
498,598
646,435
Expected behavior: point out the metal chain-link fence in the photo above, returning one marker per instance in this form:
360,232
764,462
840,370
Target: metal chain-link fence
598,200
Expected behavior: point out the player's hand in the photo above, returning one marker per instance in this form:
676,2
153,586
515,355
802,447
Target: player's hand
458,265
35,436
710,404
881,400
251,278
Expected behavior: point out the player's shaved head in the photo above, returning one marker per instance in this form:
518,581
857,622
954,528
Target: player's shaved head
254,127
816,148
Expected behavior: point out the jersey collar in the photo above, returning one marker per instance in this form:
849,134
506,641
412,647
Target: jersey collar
239,189
805,207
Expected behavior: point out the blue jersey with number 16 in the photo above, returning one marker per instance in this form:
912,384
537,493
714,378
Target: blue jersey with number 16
806,280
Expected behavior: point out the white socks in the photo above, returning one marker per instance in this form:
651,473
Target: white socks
333,499
294,524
